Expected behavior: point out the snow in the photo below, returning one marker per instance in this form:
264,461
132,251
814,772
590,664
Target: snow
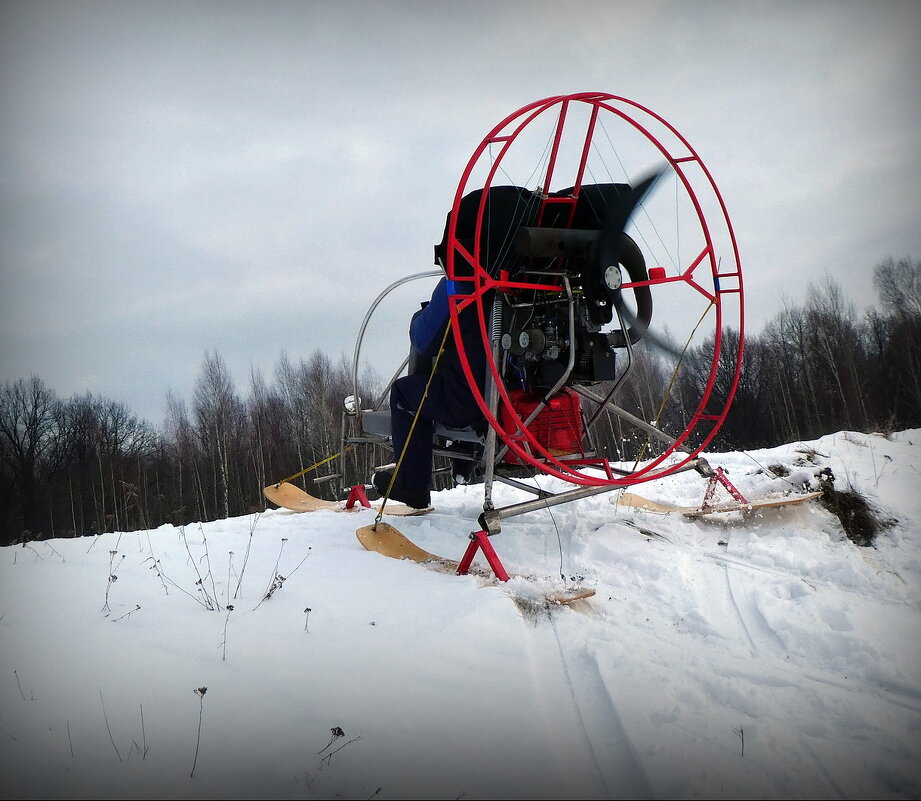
782,663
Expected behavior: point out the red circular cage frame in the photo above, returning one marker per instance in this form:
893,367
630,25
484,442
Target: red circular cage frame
518,439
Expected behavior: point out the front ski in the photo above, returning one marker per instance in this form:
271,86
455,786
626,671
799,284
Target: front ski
389,541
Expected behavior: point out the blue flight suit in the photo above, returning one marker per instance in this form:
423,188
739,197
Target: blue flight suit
449,401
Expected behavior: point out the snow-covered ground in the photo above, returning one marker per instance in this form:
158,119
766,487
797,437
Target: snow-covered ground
765,657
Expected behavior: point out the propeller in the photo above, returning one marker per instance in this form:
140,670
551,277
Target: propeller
616,248
603,250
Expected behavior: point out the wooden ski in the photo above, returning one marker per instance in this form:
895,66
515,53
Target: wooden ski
639,502
293,498
389,541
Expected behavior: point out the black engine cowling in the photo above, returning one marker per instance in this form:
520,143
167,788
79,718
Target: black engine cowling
572,239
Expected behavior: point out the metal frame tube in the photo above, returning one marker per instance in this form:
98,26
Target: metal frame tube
491,519
364,325
630,418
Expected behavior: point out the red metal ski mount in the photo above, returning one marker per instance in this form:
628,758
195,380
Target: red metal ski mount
357,495
479,540
719,477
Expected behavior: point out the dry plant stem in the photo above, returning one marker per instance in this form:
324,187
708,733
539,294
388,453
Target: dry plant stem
336,734
200,692
229,571
277,582
208,560
164,579
294,569
329,756
5,724
127,614
29,547
112,578
229,609
249,544
281,550
209,604
54,551
143,734
156,563
106,719
20,686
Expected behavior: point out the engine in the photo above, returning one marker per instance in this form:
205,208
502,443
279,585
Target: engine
570,241
538,354
557,338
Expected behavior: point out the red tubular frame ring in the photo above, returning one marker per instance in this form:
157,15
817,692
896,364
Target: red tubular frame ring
482,282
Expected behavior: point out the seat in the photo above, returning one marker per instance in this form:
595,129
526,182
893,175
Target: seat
377,423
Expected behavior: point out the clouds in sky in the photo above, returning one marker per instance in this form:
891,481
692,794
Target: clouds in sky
177,177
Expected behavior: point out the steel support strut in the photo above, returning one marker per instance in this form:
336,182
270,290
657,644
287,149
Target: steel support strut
489,455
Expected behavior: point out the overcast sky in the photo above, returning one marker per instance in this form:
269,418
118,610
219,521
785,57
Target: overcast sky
248,176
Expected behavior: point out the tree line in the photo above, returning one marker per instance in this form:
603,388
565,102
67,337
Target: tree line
821,367
87,464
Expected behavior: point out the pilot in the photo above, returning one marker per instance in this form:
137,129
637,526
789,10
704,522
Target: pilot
449,400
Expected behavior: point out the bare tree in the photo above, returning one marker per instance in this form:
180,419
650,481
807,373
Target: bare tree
291,385
187,489
29,419
836,353
218,418
899,286
897,337
268,437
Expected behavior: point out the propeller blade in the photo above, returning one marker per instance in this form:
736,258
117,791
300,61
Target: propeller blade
618,217
644,333
609,246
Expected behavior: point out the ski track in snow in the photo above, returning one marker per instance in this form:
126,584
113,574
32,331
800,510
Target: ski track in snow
548,674
619,768
731,597
822,769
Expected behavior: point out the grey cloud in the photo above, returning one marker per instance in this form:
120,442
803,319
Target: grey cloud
176,177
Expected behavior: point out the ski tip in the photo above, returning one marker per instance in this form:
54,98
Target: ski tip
570,596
